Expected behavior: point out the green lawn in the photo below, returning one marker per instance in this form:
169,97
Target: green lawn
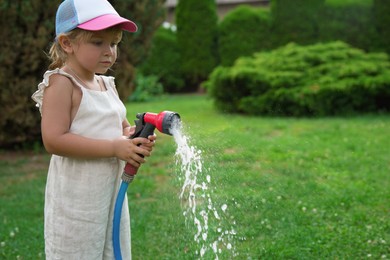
294,188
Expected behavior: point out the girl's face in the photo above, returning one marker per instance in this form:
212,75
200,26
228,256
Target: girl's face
98,52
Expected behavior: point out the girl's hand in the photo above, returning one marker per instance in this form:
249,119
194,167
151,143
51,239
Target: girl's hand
132,151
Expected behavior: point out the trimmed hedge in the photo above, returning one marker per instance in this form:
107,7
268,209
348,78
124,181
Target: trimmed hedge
321,79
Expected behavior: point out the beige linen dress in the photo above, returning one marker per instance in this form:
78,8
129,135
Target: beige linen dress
80,194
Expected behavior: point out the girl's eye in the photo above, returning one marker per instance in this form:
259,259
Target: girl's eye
97,43
114,44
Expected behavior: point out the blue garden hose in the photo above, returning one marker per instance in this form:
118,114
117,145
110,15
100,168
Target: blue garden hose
117,220
145,125
128,175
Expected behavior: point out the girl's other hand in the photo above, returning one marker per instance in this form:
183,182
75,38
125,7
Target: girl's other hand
128,131
149,146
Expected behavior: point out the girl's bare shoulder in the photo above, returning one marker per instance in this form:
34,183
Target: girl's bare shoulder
59,80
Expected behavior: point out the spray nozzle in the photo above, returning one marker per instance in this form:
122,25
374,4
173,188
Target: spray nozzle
147,122
145,125
162,121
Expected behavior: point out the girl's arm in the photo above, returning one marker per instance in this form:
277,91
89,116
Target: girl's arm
56,121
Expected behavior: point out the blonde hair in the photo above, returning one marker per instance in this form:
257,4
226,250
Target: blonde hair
58,56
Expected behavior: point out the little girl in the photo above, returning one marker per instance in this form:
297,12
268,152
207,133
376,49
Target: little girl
84,126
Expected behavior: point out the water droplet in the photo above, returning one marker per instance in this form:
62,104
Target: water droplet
224,207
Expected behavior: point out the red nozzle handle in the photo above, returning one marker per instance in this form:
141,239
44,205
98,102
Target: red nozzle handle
130,169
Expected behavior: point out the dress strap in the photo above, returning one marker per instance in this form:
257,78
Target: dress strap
38,95
109,83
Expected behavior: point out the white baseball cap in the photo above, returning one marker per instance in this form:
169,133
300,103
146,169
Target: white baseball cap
91,15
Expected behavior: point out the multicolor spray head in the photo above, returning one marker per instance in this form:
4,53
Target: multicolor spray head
163,121
147,122
144,127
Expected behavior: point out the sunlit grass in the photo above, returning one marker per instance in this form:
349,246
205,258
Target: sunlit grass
296,188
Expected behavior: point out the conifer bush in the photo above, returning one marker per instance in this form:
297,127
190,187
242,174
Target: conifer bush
320,79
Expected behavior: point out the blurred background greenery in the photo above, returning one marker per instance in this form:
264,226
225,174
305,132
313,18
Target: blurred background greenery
181,43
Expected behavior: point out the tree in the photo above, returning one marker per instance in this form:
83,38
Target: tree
197,38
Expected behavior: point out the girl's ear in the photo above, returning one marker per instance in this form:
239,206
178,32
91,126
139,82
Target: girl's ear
65,44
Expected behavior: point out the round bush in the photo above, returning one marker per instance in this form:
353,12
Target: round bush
320,79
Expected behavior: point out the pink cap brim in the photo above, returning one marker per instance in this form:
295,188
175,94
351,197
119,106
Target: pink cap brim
107,21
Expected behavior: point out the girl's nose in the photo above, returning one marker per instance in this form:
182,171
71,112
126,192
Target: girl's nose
109,50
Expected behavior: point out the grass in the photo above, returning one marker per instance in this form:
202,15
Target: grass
295,188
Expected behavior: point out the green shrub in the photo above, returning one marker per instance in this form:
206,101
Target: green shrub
244,22
164,60
146,88
320,79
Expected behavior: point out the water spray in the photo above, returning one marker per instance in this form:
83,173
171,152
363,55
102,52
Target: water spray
145,124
